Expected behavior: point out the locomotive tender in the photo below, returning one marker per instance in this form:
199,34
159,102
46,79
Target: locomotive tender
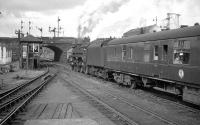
168,59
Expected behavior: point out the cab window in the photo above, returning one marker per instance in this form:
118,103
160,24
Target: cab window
181,52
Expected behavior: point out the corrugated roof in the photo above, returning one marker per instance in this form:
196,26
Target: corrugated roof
30,38
169,34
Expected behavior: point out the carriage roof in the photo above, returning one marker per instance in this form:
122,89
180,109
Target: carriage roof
162,35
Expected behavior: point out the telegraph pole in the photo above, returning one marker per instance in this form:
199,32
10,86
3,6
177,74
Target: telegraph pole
156,20
40,29
29,28
22,25
53,30
58,26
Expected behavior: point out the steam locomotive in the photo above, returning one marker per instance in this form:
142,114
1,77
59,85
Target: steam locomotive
168,59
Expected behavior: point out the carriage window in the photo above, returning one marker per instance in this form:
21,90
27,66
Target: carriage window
130,53
155,56
181,57
181,52
165,51
123,52
115,52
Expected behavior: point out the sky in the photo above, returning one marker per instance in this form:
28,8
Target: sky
93,18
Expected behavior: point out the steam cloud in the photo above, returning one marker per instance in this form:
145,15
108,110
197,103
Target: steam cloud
88,21
116,17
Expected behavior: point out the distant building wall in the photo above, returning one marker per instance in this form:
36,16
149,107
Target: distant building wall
173,22
5,53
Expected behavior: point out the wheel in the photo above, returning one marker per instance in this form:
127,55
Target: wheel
133,85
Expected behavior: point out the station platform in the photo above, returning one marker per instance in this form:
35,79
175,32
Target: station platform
60,104
61,122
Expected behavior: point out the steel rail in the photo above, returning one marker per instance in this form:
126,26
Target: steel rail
142,109
13,90
128,120
176,103
33,93
10,102
191,109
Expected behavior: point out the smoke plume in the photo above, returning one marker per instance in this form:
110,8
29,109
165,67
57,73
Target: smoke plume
89,20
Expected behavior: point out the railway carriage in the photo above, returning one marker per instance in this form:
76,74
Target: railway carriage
96,58
167,59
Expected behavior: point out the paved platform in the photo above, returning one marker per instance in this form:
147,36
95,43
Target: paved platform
59,104
61,122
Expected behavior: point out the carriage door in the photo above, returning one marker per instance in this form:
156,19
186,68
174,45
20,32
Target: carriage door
156,54
164,66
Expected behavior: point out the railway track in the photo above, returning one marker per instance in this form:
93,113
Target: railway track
107,110
153,114
12,105
151,96
155,95
13,91
125,101
164,98
109,107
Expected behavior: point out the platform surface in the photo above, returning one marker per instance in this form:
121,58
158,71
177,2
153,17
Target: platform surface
61,122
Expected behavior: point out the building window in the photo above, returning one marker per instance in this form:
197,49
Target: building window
24,51
36,48
155,55
30,47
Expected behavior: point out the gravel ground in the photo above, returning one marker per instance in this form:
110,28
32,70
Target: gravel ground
58,101
166,109
60,104
13,79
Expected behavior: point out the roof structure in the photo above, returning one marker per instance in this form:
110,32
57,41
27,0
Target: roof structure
30,39
7,40
162,35
142,30
99,42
